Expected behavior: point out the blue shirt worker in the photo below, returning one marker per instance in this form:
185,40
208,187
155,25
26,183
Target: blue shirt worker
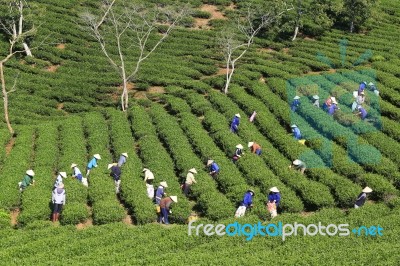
116,175
27,181
235,123
238,152
295,104
245,204
59,179
213,168
362,87
362,197
296,132
122,159
160,192
362,112
332,109
274,196
92,163
76,172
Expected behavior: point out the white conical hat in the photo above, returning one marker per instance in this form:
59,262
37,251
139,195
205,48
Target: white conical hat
293,125
97,156
193,170
30,172
209,162
174,199
296,97
274,189
125,154
145,169
297,162
111,165
74,165
370,84
63,174
238,115
239,146
315,97
164,184
367,190
362,92
250,144
333,98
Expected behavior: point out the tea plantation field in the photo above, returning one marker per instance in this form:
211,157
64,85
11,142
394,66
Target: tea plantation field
66,108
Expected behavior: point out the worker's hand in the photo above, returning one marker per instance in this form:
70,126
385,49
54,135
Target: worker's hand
170,212
95,166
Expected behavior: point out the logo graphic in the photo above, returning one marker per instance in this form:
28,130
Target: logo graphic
320,126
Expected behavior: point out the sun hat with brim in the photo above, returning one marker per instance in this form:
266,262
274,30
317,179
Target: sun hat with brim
239,146
252,191
367,190
30,173
124,154
193,170
209,162
370,84
334,102
296,162
250,144
63,174
274,189
315,97
364,82
293,126
145,169
296,97
174,199
362,92
238,115
164,184
74,165
97,156
111,165
333,98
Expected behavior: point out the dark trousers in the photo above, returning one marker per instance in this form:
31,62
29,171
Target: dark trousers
187,189
164,215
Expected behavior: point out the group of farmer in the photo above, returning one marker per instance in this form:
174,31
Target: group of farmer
331,105
58,191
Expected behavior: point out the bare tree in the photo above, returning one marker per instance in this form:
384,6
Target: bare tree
136,25
235,41
13,28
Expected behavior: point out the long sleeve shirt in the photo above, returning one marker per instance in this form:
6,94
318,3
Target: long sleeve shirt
361,199
361,88
360,99
295,104
274,197
255,147
190,179
248,199
27,181
92,163
214,167
238,152
165,203
148,175
58,181
76,172
58,196
316,103
121,160
296,133
160,192
116,172
363,113
332,109
235,124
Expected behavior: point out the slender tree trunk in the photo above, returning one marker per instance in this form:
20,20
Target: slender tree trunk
229,77
5,99
352,26
26,48
296,31
227,80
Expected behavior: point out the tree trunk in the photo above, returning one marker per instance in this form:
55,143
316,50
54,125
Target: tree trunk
229,77
227,80
5,99
352,26
296,31
27,50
